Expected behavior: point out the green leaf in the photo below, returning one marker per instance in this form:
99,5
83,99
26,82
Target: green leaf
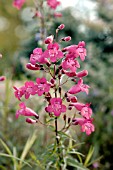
6,147
11,156
73,162
89,155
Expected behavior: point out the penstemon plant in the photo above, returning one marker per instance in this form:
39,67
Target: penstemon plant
60,68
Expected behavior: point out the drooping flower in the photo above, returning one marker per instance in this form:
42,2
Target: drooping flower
84,109
79,87
18,3
86,125
25,111
53,3
56,106
42,86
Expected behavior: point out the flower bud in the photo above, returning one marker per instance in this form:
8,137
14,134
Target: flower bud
61,27
32,67
49,39
66,38
2,78
31,121
82,74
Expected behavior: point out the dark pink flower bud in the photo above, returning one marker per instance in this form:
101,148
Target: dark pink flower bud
66,38
49,39
82,73
61,27
31,121
57,14
38,14
32,67
2,78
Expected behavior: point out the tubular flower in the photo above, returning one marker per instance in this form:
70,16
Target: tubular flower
85,109
81,50
79,87
71,64
86,125
25,111
56,106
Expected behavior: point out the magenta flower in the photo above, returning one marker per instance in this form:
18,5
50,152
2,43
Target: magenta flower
81,50
38,56
57,14
79,87
18,3
42,86
86,125
85,109
25,111
61,27
53,52
19,92
53,3
29,89
70,63
56,106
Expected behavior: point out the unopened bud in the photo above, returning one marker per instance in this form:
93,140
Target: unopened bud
69,107
64,117
49,39
2,78
82,73
31,121
61,27
66,38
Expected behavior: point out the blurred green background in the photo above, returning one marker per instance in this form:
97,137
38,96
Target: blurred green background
91,21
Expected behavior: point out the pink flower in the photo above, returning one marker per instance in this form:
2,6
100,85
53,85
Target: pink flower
61,27
53,52
37,56
19,92
71,64
57,14
85,109
42,86
18,3
86,125
79,87
53,3
49,39
29,89
25,111
56,106
81,50
69,73
32,67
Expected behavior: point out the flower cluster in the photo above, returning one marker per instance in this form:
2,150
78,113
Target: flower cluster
58,63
